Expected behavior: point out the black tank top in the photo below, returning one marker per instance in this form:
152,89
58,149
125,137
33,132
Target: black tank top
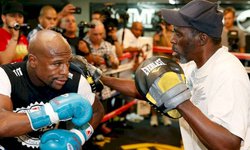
24,95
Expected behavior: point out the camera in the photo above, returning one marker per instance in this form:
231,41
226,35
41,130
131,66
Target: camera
84,24
78,10
157,20
158,27
22,27
110,25
58,29
107,60
124,16
109,12
233,40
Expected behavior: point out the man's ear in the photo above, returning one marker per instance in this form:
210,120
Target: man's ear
40,19
3,18
203,39
32,60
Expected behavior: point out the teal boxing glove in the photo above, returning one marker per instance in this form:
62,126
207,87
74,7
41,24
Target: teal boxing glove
64,107
60,139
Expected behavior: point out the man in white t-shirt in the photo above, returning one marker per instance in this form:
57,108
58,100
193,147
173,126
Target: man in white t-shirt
129,37
216,113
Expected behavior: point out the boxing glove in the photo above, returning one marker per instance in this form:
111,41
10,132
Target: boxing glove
90,72
60,139
65,107
162,82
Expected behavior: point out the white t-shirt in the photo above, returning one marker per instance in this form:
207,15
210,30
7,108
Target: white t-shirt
129,39
221,90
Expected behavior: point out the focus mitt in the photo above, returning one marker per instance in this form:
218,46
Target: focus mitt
162,82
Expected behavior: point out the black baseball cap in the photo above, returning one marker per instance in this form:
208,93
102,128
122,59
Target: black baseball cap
12,7
199,14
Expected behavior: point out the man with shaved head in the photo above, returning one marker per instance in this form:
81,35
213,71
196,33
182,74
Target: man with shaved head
78,45
101,49
46,93
129,37
48,17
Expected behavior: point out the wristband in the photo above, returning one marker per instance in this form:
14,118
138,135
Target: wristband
84,132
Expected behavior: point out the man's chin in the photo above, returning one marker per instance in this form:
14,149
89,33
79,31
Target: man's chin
180,59
57,87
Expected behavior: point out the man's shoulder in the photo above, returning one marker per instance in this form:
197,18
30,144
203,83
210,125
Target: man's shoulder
126,31
16,69
121,29
4,33
2,30
238,29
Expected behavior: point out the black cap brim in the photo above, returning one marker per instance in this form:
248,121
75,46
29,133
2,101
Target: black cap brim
174,17
20,12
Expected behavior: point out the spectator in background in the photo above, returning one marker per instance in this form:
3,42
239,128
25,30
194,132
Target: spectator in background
48,17
13,44
78,46
111,28
163,36
129,38
101,49
97,15
235,41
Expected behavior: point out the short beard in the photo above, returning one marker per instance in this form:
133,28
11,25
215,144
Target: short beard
183,60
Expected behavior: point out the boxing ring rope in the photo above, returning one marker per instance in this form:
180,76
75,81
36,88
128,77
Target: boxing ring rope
118,111
243,56
126,55
162,49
